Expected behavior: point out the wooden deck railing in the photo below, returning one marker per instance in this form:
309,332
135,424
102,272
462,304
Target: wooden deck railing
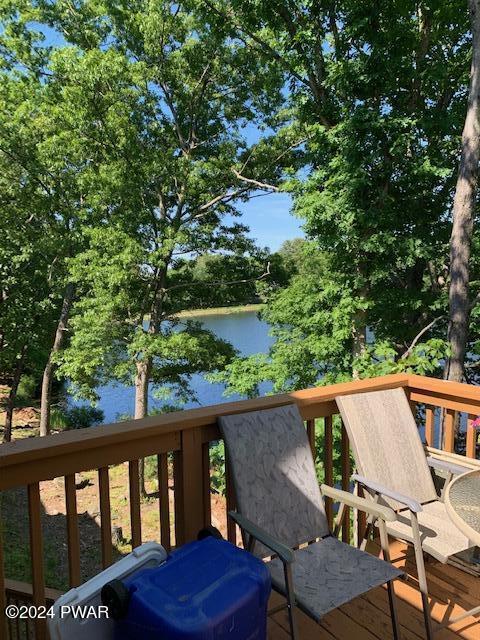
185,436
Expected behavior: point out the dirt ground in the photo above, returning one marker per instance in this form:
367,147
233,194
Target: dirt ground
15,532
26,420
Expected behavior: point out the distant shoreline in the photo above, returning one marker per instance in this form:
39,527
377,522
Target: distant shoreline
219,311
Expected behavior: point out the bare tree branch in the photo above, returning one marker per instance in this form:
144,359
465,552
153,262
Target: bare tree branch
419,335
225,197
257,183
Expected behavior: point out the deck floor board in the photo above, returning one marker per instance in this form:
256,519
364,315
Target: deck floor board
368,617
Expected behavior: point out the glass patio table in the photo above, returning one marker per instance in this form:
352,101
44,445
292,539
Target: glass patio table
462,502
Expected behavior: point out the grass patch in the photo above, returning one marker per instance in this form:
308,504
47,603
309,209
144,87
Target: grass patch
219,311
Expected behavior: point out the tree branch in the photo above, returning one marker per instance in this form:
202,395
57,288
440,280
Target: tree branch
264,46
419,335
257,183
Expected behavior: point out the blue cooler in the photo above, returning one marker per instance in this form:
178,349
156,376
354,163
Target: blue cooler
206,590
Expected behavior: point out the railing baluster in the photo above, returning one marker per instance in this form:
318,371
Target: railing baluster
135,515
18,629
471,444
3,598
449,431
105,516
230,500
73,538
413,407
178,491
36,554
345,482
361,518
328,465
193,491
207,505
430,426
311,437
163,500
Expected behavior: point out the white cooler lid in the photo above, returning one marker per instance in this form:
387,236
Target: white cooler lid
66,626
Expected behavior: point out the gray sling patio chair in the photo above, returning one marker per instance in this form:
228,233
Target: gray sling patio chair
393,469
280,507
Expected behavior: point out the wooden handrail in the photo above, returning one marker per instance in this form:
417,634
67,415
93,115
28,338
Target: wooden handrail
35,459
445,387
456,396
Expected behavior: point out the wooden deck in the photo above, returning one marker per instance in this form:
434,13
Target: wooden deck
367,618
181,444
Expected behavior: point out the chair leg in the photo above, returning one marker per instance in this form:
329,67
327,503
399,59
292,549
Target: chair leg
393,610
422,577
426,615
291,605
391,590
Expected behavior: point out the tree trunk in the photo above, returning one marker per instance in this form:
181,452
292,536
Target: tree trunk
141,389
141,409
47,379
463,214
12,396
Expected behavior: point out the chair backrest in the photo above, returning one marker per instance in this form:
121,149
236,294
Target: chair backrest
274,474
386,444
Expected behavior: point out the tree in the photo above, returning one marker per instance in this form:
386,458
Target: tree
48,198
26,306
463,215
29,240
151,106
380,147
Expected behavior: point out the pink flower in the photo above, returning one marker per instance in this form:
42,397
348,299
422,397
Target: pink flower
476,423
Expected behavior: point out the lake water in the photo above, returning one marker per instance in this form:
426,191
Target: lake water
243,330
246,333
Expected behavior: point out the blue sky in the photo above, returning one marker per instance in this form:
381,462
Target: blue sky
268,216
270,220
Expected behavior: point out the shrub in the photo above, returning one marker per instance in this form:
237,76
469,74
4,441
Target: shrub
27,388
217,463
82,417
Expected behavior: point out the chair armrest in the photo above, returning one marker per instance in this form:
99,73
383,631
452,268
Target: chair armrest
375,509
281,550
411,503
445,465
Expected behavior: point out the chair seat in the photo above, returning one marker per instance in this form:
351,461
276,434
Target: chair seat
329,573
440,537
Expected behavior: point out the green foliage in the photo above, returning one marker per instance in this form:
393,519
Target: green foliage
221,280
58,420
27,389
147,106
151,469
381,358
124,155
381,106
82,417
336,450
217,466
